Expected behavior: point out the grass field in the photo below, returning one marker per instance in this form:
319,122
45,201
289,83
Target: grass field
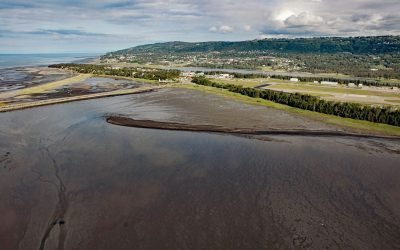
243,82
303,87
396,101
339,93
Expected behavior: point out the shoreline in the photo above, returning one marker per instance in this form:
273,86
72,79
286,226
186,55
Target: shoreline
19,106
150,124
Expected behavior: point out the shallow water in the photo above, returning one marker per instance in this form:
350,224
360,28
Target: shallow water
18,78
24,60
67,178
21,70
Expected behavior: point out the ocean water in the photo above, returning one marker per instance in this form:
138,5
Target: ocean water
23,60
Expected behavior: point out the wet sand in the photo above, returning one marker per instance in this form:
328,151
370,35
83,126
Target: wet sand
70,180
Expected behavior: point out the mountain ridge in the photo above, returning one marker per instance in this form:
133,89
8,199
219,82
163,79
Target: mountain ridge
354,45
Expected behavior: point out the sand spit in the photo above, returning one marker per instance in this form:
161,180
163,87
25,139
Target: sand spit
129,122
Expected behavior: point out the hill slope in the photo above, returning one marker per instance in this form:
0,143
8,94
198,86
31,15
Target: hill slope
355,45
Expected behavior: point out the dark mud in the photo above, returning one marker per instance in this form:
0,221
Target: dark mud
74,181
129,122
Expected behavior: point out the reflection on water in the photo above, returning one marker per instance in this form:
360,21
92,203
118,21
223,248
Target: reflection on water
92,185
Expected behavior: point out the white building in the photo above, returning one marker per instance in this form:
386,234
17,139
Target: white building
188,74
294,79
220,76
351,84
225,76
316,82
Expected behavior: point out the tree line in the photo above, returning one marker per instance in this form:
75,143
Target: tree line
354,45
385,115
144,73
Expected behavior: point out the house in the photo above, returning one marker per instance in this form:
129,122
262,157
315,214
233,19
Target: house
220,76
316,82
225,76
351,84
294,80
188,74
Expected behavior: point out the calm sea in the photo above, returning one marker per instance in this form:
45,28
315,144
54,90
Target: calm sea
21,60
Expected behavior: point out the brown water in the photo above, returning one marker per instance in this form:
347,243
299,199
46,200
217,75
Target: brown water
69,180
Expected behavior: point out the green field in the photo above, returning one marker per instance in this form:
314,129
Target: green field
303,87
395,101
243,82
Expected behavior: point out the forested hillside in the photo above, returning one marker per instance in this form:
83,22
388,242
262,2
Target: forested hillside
355,45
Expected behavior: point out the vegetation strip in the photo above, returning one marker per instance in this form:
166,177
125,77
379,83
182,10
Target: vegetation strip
386,115
129,122
142,73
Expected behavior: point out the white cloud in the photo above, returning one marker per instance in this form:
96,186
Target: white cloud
293,18
222,29
303,19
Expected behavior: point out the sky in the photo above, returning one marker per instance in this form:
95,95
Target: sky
53,26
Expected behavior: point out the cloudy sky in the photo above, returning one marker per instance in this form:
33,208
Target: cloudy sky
28,26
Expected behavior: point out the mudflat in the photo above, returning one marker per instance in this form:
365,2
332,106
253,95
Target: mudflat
70,180
23,77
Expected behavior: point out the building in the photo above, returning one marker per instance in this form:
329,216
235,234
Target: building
294,79
188,74
220,76
225,76
316,82
351,84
